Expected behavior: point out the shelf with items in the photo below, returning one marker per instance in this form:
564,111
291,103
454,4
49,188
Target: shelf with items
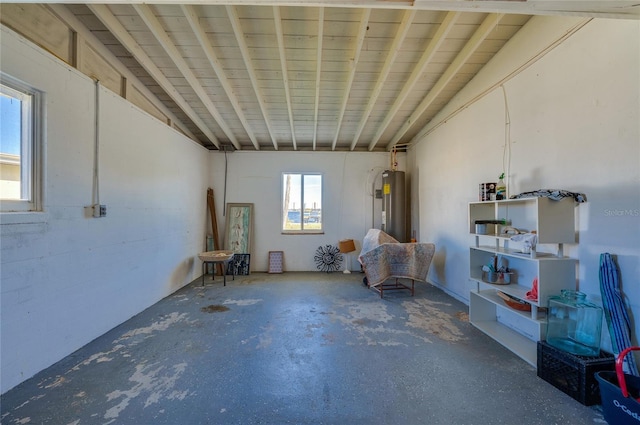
552,221
553,273
552,224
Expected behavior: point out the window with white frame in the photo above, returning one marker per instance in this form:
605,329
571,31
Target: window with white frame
302,202
20,146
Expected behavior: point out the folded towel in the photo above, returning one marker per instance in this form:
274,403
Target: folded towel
529,241
555,194
530,238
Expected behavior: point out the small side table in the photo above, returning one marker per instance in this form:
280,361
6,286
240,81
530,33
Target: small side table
216,257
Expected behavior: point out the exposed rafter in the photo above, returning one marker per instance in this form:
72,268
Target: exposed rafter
234,20
84,33
115,27
160,34
336,78
402,32
362,32
318,75
435,43
474,42
285,73
616,9
192,17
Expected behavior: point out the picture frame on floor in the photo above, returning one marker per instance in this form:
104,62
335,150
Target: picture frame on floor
276,261
240,265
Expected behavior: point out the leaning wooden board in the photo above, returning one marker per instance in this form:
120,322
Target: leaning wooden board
214,224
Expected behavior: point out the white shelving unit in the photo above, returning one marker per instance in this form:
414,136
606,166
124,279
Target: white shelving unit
554,224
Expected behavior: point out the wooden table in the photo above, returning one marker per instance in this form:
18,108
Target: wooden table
216,257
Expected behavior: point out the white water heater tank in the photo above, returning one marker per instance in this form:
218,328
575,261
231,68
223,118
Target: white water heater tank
394,205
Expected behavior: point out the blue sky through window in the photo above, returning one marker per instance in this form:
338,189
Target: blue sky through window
312,191
9,125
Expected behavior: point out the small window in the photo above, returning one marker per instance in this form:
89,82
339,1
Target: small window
302,203
20,144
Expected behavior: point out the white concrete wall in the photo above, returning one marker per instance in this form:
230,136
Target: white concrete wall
349,210
575,125
67,278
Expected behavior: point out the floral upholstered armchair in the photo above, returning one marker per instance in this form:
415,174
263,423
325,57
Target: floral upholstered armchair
383,257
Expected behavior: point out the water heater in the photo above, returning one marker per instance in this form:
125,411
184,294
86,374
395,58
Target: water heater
394,204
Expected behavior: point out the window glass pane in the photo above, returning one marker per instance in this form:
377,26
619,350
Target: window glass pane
302,202
11,107
313,202
292,201
21,134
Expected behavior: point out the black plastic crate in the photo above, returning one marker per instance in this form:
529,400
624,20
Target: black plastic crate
574,375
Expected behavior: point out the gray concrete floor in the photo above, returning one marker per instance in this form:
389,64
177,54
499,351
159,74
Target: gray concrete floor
294,348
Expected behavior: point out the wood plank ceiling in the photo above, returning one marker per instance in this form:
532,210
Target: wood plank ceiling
301,77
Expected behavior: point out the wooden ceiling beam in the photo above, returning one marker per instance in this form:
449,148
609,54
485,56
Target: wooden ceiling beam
105,16
200,34
162,37
73,22
234,20
434,45
318,72
469,48
285,74
617,9
401,34
362,32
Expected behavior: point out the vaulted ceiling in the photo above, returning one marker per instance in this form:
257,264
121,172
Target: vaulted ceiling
314,75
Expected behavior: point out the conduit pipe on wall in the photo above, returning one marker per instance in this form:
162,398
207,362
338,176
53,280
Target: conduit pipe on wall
506,153
96,209
224,195
96,149
394,161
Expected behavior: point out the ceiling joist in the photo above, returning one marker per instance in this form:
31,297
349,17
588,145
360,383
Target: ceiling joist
362,32
403,29
310,75
285,72
234,20
318,76
470,47
115,27
428,54
162,37
192,18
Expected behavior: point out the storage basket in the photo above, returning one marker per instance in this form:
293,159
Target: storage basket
620,402
572,374
498,278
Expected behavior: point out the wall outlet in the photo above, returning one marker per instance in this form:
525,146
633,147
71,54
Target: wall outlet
99,211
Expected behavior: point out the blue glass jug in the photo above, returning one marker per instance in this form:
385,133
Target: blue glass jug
574,325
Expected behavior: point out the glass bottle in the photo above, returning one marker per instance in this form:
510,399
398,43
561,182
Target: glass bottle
574,324
501,188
